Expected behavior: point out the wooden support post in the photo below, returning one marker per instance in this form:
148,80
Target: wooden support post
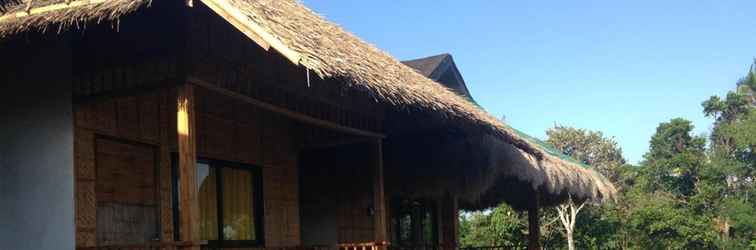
187,160
534,227
379,200
450,222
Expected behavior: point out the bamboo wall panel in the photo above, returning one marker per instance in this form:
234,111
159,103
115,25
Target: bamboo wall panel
340,179
85,202
134,119
121,78
166,207
262,139
229,130
126,192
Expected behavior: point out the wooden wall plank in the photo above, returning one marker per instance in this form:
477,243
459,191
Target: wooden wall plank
379,199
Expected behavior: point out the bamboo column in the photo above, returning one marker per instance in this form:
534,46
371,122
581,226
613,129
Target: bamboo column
379,199
534,227
450,223
187,160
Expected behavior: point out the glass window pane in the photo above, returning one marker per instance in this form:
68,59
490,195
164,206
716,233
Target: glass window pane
238,219
405,229
208,201
428,229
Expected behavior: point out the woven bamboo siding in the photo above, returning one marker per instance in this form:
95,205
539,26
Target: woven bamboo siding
234,131
136,77
133,120
226,129
340,181
86,204
126,193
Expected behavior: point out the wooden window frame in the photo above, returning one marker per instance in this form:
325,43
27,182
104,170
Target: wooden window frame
425,206
257,197
157,173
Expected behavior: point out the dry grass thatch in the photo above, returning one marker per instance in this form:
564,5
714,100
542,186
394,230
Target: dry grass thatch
43,14
332,52
483,171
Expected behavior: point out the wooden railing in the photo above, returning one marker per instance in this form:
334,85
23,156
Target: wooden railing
447,247
419,247
487,248
204,246
176,245
364,246
318,247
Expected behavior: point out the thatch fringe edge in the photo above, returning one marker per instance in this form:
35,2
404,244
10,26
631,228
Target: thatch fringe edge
75,14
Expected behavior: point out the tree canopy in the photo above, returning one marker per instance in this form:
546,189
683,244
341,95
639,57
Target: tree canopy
689,192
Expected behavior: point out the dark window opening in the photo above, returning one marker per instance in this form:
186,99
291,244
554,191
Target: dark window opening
415,223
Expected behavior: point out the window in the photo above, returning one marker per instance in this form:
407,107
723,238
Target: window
126,193
415,223
230,203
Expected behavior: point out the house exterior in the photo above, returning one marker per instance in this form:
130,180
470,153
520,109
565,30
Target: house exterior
242,124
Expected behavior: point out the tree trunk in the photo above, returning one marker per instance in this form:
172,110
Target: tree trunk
568,214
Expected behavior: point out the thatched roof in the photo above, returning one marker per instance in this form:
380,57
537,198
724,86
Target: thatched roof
555,178
309,40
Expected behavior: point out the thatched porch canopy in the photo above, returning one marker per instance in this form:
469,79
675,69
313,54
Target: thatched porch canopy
506,173
328,51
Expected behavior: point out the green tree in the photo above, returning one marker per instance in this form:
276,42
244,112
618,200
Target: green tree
674,159
592,148
738,104
728,181
660,220
669,195
501,226
589,147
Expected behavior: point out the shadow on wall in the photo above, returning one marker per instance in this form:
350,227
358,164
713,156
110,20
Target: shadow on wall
36,143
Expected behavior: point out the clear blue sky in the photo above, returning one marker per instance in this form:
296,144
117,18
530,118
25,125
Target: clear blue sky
620,67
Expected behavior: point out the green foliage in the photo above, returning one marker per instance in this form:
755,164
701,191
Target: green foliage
589,147
684,195
742,215
501,226
741,137
598,227
725,110
674,159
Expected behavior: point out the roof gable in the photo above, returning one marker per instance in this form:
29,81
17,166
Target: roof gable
442,69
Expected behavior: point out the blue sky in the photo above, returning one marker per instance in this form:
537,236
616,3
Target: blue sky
620,67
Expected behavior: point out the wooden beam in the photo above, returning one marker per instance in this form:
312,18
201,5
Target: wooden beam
338,143
236,19
379,199
246,25
534,227
285,112
187,159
